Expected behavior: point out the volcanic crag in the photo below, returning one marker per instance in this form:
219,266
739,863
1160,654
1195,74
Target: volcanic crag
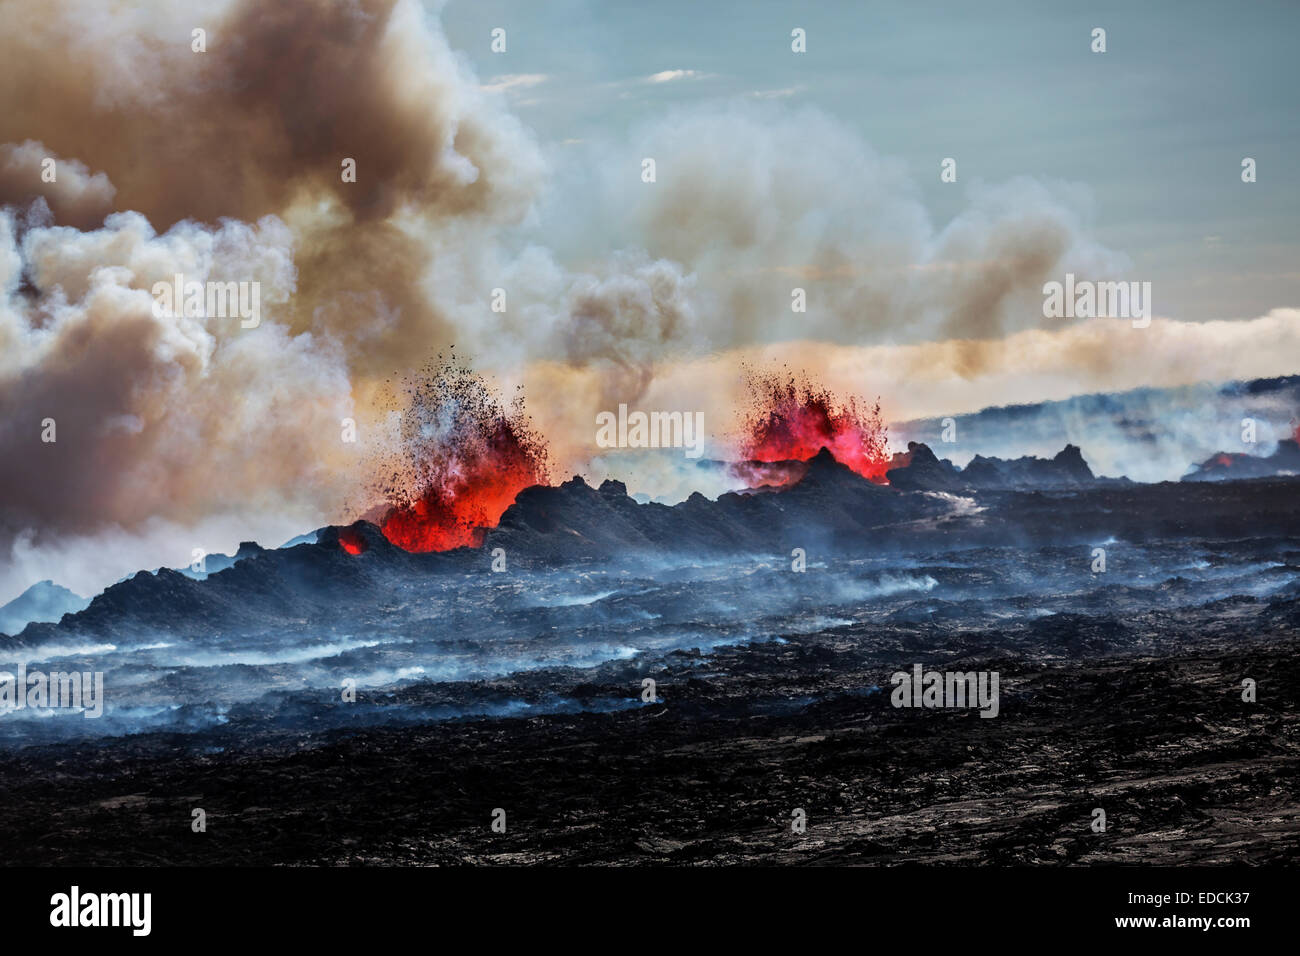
525,688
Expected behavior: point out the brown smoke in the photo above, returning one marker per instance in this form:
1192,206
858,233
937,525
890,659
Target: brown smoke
194,432
260,124
76,197
226,165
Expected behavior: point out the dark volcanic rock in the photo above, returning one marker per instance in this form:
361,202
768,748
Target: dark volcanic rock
576,522
924,472
1231,466
921,470
1066,470
1154,730
263,588
1120,690
360,535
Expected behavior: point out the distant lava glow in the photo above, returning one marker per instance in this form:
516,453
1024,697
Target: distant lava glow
463,459
792,419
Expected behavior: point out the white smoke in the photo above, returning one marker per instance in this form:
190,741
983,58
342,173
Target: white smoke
616,289
157,420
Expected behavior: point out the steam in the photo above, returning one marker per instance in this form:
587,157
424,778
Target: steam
227,165
752,200
156,419
76,197
922,383
261,124
224,165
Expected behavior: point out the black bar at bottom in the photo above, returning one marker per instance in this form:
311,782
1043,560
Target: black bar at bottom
636,906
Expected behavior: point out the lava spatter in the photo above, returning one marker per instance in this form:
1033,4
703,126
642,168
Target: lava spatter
790,418
463,457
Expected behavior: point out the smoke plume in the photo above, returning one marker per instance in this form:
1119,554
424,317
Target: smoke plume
566,273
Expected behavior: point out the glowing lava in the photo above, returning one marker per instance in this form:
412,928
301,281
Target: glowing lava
791,419
351,542
464,458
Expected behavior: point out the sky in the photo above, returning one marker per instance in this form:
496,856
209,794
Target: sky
1156,127
501,206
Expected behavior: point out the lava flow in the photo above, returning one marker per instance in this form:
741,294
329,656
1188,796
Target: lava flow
464,458
792,420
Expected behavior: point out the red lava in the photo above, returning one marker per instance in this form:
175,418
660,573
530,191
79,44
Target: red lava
464,458
351,542
791,419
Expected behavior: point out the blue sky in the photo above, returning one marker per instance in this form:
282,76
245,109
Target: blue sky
1155,128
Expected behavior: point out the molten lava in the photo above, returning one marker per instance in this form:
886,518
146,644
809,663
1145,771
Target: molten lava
791,419
464,459
351,542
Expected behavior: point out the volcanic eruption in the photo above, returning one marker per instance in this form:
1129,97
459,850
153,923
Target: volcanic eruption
462,458
790,419
352,542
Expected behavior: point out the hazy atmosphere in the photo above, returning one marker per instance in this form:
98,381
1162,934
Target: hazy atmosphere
500,206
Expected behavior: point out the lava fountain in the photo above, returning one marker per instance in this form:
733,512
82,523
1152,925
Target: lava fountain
463,457
791,419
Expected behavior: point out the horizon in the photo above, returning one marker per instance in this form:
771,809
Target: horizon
601,209
737,485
